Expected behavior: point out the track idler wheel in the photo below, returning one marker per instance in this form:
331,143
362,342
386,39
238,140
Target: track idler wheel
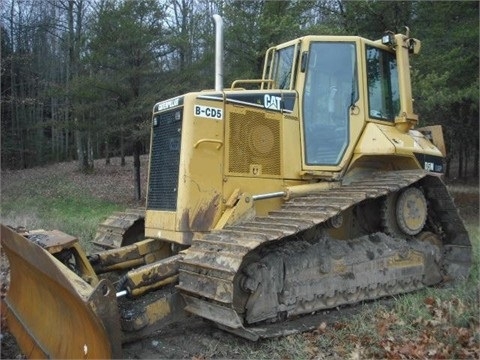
405,212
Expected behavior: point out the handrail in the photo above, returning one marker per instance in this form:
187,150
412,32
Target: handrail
252,81
219,142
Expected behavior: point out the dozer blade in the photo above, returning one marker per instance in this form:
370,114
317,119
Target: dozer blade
51,311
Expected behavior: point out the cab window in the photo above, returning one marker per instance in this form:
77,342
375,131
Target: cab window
282,67
383,87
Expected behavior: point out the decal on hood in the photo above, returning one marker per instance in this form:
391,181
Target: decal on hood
276,101
168,104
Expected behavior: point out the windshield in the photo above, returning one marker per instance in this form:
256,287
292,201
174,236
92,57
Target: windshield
282,67
330,90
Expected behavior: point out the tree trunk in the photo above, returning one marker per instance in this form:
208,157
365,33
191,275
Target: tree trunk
447,167
122,148
107,152
90,150
80,153
136,168
460,162
84,153
476,159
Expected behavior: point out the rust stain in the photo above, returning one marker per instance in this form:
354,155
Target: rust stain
203,219
184,224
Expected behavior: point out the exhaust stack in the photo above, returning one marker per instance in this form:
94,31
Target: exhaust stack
218,52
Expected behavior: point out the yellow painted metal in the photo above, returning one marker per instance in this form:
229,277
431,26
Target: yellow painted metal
374,142
255,186
214,141
254,142
242,210
387,146
156,219
158,284
292,152
435,134
152,276
201,170
427,146
410,142
308,189
165,307
141,253
253,150
250,81
178,237
407,118
52,312
55,241
200,176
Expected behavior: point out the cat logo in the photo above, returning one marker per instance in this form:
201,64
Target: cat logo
272,102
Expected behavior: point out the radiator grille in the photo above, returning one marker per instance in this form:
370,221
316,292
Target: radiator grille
165,161
254,141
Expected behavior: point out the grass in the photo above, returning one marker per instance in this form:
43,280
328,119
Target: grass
54,202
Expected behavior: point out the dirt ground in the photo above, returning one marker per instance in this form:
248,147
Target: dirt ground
198,339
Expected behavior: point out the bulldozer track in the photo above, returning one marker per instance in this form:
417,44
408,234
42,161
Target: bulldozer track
112,233
210,266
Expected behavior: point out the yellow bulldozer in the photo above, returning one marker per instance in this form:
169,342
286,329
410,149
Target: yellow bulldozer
306,189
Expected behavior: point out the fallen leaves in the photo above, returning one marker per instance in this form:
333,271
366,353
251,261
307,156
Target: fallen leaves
389,335
438,337
112,182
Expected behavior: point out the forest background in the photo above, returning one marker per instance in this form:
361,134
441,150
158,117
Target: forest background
79,77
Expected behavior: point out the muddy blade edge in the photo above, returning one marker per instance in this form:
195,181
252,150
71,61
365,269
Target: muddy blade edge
51,312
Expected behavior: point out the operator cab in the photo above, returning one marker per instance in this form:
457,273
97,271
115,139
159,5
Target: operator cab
342,83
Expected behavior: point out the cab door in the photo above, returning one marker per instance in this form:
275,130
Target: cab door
332,117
